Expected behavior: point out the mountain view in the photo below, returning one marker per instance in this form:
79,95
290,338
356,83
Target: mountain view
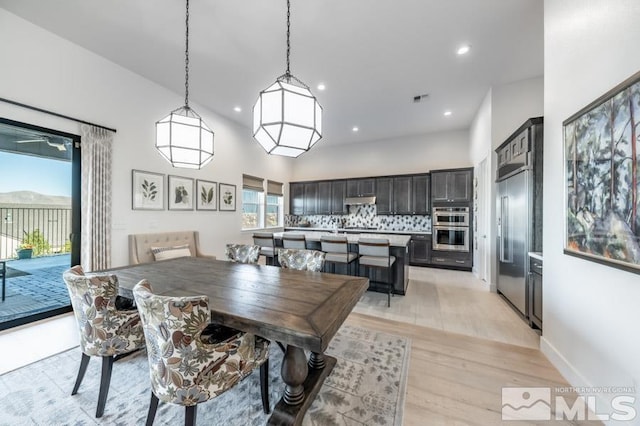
31,198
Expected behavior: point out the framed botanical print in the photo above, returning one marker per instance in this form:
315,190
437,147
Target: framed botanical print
180,193
206,195
227,197
147,190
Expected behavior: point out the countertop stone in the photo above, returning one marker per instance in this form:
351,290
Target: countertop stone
351,230
536,255
395,240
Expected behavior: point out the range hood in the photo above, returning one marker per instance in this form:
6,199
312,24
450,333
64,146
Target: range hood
355,201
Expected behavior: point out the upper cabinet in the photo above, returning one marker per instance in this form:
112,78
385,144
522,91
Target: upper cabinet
311,198
402,202
451,186
361,187
421,193
324,197
338,194
296,198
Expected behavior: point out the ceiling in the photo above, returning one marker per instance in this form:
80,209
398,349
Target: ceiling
373,56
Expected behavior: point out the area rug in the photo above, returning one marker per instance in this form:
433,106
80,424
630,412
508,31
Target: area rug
366,387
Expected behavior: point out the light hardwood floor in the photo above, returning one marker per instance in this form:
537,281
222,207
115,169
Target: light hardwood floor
467,344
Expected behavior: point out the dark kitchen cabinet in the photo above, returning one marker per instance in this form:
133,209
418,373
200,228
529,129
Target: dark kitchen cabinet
535,292
296,198
338,194
420,193
384,195
311,198
448,186
456,259
402,202
324,198
393,195
361,187
420,250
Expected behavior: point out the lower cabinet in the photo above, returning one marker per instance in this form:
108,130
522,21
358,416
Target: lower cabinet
456,259
535,292
420,250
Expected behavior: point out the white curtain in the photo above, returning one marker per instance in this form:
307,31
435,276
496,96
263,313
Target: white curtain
96,151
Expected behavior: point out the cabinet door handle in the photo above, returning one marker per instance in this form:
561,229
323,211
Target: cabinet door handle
459,261
438,259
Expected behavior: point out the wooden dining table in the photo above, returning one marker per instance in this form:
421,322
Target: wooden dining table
301,309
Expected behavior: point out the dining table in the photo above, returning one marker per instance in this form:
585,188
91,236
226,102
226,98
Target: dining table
302,310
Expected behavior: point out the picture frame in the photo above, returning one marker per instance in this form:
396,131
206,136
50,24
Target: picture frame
206,195
227,197
180,193
602,175
147,190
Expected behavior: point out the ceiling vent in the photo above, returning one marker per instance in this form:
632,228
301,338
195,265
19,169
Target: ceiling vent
420,98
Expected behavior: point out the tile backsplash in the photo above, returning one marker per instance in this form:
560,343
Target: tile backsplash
363,216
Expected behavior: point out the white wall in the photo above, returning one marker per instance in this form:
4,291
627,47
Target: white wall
591,313
412,154
49,72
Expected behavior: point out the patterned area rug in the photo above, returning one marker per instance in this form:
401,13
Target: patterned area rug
366,387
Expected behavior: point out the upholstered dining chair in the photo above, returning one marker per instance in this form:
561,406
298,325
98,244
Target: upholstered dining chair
267,246
242,253
184,368
302,260
337,249
375,253
105,330
291,240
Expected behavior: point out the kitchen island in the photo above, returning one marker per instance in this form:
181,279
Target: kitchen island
399,248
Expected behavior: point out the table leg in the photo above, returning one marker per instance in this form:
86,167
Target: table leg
316,361
302,383
294,372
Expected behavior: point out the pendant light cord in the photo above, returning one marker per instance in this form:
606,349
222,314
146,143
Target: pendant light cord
288,35
186,60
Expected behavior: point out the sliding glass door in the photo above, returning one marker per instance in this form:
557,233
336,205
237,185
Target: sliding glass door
40,220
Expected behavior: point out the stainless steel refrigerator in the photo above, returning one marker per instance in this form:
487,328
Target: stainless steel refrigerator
519,211
514,239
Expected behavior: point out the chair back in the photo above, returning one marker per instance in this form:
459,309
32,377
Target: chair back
301,259
263,239
334,244
104,331
242,253
183,369
294,241
378,247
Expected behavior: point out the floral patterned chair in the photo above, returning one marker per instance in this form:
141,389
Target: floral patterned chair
302,260
243,253
184,368
105,330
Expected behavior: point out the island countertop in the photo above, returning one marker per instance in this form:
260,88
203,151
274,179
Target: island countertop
395,240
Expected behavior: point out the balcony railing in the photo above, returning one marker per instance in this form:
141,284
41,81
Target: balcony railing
53,225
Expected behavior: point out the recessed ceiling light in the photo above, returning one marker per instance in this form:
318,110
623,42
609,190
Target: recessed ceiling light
447,113
355,129
237,109
321,86
464,49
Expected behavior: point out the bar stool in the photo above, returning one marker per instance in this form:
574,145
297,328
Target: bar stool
337,249
294,241
374,253
267,246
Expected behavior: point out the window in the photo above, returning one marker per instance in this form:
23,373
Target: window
252,202
275,204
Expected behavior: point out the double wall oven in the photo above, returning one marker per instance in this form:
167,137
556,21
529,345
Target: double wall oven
451,228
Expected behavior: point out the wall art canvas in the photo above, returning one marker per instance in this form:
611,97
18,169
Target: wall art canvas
206,195
180,193
147,190
227,197
602,168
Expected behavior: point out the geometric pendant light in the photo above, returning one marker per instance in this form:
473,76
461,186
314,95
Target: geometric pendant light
182,137
287,118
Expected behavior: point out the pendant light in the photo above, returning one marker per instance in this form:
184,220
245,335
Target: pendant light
287,118
182,137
